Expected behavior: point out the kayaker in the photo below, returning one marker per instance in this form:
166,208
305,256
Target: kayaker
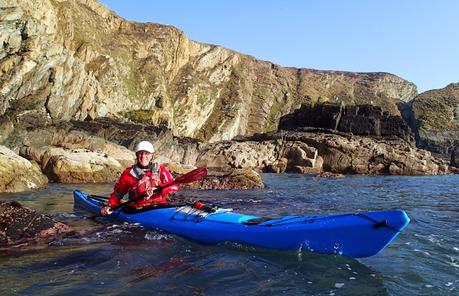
141,180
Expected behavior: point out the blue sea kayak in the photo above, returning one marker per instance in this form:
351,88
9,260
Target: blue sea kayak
353,235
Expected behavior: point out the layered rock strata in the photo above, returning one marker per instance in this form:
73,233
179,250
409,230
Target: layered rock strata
78,60
434,116
364,120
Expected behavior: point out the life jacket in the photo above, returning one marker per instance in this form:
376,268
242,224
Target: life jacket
139,184
149,180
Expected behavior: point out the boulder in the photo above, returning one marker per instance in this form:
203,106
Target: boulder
177,168
279,166
224,156
70,156
36,142
79,166
21,226
18,174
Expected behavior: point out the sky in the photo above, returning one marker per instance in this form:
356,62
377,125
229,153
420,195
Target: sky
417,40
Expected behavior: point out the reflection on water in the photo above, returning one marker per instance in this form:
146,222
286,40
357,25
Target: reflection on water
118,258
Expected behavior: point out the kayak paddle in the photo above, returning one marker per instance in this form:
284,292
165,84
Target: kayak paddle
189,177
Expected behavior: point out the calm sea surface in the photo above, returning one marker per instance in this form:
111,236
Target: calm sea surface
124,259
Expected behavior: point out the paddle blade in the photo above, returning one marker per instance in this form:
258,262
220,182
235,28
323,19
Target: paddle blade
192,176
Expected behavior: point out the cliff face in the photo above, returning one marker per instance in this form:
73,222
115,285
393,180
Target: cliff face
366,120
62,60
435,118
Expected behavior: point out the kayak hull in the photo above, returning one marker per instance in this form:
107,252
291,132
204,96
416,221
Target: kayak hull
352,235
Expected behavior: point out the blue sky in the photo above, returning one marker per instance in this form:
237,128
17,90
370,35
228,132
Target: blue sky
417,40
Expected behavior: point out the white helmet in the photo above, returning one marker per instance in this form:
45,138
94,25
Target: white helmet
144,146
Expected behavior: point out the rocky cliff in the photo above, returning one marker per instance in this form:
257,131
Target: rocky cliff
364,120
64,60
79,86
434,116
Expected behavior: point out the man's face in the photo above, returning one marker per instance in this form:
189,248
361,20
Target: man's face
144,158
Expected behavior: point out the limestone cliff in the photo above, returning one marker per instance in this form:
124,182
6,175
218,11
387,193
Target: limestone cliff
62,60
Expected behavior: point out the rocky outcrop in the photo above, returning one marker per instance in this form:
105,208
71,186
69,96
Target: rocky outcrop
79,166
109,136
237,179
362,155
71,156
270,155
365,120
21,226
74,157
18,174
335,153
63,60
434,115
169,148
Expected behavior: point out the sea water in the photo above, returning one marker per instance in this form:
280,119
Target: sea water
125,259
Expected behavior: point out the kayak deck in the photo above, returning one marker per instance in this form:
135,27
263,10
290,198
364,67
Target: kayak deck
352,235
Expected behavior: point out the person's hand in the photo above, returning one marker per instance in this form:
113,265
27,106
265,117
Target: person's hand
107,210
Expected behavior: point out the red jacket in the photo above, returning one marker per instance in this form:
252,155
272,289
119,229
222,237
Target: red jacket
139,187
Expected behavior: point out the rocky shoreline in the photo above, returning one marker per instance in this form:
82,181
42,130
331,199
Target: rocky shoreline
97,150
80,86
85,152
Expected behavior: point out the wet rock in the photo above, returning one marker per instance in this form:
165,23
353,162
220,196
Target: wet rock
279,166
330,175
236,179
21,226
18,174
